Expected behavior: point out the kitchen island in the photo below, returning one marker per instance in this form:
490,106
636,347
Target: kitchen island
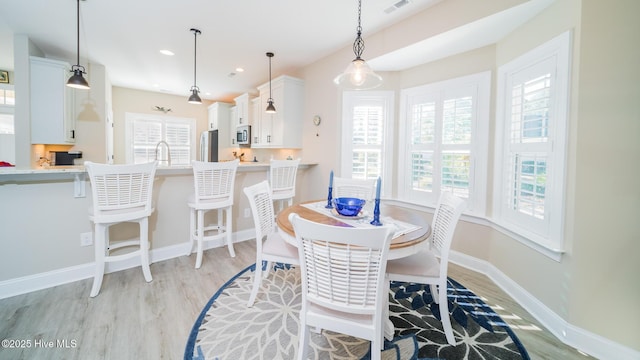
43,211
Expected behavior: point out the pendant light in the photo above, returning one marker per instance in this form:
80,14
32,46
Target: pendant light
76,80
270,108
358,75
195,98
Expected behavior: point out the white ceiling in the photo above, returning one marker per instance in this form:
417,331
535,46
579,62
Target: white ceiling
126,36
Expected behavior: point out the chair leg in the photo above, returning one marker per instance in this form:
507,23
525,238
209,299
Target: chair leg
192,229
228,230
200,230
444,314
100,248
257,279
434,293
303,343
144,249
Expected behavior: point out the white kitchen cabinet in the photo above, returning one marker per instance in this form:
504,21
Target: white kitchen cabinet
255,127
220,119
243,110
233,111
52,102
284,128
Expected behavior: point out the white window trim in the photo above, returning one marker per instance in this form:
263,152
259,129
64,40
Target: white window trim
129,119
551,244
348,100
479,147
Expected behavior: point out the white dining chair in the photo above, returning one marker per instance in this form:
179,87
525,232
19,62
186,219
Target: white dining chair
424,266
121,193
270,246
358,188
343,275
214,184
282,180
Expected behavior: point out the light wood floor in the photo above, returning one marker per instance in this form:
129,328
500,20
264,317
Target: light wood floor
131,319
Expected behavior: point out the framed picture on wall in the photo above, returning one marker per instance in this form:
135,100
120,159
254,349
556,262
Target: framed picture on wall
4,77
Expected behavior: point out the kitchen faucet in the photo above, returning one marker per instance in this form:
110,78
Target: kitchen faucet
168,160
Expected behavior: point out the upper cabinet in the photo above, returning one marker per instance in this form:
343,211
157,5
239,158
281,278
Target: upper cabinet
284,128
243,110
220,119
52,104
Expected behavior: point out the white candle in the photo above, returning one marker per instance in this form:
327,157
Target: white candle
378,189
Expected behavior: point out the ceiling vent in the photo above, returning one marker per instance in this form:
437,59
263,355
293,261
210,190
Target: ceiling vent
396,6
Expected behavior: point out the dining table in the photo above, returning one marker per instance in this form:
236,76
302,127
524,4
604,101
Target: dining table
412,230
411,235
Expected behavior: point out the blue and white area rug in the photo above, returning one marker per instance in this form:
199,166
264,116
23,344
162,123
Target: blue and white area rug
227,329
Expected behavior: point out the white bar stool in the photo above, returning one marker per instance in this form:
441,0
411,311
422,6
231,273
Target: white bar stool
121,193
214,186
282,180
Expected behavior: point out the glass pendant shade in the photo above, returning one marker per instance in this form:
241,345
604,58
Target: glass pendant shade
194,98
358,76
77,81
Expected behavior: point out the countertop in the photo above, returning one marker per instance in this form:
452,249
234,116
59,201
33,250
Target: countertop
11,174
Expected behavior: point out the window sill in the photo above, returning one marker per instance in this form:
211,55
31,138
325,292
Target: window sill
550,252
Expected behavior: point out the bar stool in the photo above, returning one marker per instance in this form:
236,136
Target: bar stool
282,180
121,193
214,186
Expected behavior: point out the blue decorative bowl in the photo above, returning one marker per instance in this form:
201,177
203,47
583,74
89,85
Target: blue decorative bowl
346,206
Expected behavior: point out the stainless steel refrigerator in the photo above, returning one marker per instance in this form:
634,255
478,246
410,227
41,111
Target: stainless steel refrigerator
209,146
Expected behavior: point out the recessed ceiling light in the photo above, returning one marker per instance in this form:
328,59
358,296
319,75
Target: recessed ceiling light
239,69
167,52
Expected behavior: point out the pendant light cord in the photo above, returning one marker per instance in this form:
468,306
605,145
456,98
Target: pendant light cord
195,45
358,44
78,33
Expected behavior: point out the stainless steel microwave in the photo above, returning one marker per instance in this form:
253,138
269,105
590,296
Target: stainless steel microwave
243,135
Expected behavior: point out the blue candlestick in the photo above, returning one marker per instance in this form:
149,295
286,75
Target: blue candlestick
329,205
376,214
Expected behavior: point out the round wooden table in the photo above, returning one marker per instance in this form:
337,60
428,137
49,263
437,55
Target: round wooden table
402,246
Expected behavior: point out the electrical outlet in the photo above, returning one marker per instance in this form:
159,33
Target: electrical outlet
86,239
247,212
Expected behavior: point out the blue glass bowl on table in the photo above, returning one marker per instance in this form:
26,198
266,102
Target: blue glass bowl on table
347,206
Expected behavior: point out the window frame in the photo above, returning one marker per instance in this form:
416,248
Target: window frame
546,236
479,85
131,118
351,99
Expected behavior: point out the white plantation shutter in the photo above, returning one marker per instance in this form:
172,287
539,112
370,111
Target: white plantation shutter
145,131
368,131
531,140
178,137
366,136
445,132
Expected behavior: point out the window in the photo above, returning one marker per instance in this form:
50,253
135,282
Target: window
366,136
532,116
7,108
444,129
145,132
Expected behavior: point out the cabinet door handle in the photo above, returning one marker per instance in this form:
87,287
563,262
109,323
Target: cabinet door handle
268,138
73,134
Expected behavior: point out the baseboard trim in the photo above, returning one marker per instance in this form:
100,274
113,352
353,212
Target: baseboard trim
27,284
583,340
